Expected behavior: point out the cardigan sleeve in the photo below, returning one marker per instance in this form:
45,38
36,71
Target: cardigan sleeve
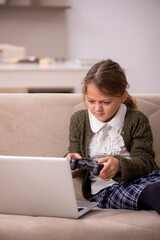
138,139
75,138
74,141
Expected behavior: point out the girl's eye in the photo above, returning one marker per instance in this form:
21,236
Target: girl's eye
106,103
90,101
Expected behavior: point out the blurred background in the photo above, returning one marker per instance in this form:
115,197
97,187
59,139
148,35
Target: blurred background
49,45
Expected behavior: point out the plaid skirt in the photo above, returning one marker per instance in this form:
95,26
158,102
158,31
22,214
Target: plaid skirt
125,195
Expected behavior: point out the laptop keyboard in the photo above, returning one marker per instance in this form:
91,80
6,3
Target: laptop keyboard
80,209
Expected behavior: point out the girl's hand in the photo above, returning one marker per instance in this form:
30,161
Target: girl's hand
76,155
70,155
111,167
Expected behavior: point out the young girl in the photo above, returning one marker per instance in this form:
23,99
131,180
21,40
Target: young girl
113,132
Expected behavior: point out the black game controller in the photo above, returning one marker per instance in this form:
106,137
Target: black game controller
95,167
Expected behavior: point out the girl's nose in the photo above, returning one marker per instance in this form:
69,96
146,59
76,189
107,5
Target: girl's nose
98,107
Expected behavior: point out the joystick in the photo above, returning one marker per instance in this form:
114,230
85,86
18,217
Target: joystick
95,167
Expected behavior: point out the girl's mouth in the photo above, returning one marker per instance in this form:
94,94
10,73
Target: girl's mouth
99,114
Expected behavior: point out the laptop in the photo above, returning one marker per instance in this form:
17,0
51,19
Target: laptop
39,186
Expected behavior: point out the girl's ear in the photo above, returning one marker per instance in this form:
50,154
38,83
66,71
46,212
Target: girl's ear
124,97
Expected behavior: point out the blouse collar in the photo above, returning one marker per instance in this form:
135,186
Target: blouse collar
117,122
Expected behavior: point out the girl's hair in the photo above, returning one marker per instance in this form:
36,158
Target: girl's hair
109,77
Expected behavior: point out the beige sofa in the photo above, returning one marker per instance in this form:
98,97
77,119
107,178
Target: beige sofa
37,125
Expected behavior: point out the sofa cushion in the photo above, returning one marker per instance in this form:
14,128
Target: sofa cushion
35,124
38,124
97,224
150,105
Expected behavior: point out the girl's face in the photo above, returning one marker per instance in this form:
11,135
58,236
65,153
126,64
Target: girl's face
103,106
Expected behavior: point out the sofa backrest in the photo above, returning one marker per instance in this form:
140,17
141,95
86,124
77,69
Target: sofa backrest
38,124
150,106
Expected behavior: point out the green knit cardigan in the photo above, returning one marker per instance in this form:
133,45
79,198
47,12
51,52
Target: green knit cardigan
138,139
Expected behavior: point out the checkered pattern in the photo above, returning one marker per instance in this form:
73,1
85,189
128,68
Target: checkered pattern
125,195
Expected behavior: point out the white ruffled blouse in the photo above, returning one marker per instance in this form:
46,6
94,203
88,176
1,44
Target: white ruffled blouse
106,141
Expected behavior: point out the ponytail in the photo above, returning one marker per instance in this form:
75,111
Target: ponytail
130,102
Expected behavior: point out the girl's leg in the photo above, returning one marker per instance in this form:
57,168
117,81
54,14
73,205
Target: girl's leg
150,197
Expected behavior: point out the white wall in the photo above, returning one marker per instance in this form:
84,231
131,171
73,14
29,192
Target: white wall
127,31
